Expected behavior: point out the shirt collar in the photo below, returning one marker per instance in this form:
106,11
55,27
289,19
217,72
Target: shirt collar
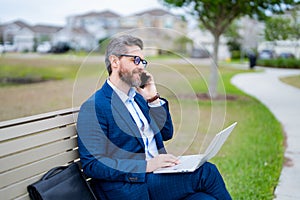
123,96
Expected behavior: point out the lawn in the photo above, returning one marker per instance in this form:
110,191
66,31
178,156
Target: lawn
292,80
251,158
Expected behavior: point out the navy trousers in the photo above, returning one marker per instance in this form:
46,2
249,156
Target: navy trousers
206,183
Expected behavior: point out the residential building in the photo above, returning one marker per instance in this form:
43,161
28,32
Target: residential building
17,36
45,33
83,32
77,38
20,36
99,24
159,29
147,25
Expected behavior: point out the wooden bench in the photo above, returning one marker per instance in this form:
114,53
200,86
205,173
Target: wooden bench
31,146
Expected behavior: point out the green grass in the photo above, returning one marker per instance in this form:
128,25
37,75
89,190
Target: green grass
46,67
292,80
252,157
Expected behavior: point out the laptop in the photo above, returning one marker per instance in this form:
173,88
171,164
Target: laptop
190,163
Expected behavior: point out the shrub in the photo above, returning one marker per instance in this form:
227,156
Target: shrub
280,63
235,54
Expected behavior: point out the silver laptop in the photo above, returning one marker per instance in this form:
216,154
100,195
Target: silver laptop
192,162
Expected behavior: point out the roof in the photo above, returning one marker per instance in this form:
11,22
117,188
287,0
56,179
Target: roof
80,31
46,28
105,14
154,12
19,23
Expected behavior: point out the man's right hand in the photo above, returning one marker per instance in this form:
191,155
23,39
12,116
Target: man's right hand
161,160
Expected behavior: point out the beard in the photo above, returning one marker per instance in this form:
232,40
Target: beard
130,78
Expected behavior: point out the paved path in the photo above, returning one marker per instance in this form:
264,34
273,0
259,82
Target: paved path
284,102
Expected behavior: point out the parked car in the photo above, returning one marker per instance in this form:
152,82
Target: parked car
1,49
8,47
60,47
45,47
286,55
200,53
267,54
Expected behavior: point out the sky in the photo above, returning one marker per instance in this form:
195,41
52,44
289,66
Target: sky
54,12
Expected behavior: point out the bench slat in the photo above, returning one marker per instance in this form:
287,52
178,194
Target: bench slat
19,189
40,153
23,197
30,170
24,143
36,126
31,146
42,116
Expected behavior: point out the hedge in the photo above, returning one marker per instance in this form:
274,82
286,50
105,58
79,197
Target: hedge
280,63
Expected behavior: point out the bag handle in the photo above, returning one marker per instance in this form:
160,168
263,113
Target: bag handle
53,171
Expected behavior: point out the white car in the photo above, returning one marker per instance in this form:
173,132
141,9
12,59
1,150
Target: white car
1,48
44,47
9,47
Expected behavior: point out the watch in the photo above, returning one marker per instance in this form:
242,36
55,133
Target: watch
153,98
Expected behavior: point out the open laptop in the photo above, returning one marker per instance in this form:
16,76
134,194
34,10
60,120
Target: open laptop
190,163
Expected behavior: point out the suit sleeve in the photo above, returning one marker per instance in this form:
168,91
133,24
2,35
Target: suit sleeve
163,121
100,158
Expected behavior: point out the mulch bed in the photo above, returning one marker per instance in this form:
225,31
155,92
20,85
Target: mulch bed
207,97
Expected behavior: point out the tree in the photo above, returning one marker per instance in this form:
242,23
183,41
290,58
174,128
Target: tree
233,40
295,23
181,44
217,15
278,28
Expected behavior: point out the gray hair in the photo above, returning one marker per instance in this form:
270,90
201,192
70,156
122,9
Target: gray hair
118,46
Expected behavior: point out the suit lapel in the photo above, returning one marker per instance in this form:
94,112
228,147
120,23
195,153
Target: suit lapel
120,112
143,108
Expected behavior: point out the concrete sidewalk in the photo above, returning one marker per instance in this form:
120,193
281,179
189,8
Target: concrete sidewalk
284,102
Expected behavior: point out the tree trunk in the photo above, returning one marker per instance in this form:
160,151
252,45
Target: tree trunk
214,69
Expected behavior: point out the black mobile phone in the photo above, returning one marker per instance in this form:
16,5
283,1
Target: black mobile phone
144,79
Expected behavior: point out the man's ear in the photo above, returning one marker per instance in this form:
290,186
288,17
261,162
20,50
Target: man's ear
114,61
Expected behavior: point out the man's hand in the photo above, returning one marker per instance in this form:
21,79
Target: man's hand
161,160
150,89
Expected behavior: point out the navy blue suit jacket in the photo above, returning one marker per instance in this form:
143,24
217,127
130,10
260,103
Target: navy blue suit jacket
111,148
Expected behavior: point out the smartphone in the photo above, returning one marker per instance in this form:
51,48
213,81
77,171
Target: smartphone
144,79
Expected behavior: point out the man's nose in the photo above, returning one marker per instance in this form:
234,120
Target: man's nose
141,66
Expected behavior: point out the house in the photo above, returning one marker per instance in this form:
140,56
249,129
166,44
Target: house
159,29
20,36
17,36
147,25
77,38
45,33
160,18
99,24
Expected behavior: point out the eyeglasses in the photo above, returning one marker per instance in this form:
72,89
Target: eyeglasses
136,59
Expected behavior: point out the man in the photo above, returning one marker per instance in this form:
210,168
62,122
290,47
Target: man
121,129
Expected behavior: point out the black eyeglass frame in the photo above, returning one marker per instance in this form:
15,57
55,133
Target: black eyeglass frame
137,59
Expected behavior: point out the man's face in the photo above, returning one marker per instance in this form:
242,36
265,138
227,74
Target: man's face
129,72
